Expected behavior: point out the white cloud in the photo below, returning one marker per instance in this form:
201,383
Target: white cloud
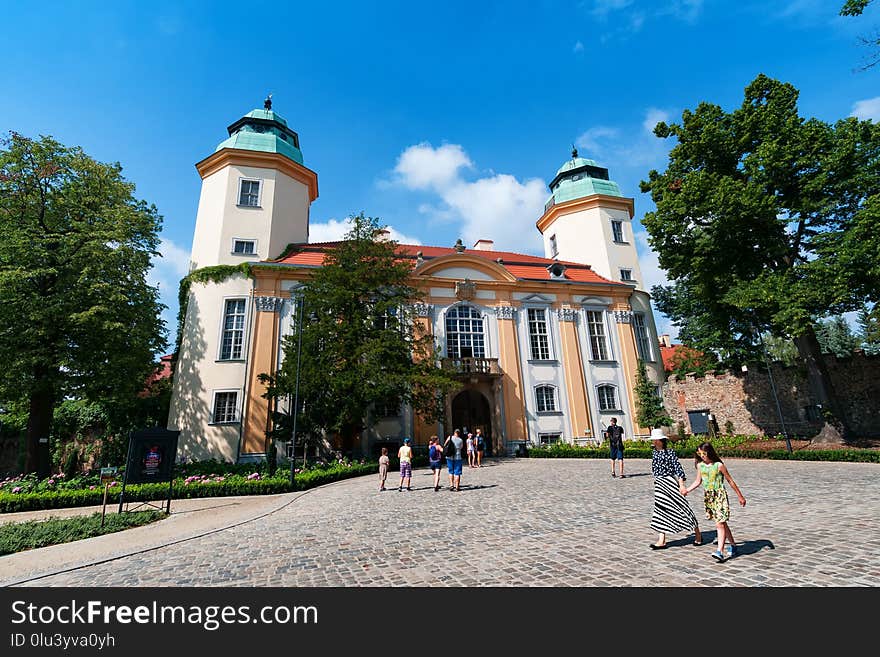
424,167
166,274
686,10
602,8
595,140
867,109
494,206
652,118
578,47
626,150
652,274
334,230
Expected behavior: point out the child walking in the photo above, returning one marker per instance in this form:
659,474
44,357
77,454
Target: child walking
712,473
383,468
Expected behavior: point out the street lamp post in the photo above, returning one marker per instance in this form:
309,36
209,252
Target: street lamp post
300,302
773,390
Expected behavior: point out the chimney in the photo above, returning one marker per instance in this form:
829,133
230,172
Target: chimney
484,245
665,341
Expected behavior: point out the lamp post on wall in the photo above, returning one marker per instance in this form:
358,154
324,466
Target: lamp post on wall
300,302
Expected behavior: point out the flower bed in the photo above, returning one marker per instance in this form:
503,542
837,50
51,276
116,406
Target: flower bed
206,479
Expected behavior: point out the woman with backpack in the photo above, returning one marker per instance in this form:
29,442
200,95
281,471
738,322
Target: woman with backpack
435,456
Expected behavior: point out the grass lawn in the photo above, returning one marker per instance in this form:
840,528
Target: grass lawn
20,536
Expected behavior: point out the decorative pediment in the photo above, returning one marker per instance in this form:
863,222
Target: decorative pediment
462,266
536,298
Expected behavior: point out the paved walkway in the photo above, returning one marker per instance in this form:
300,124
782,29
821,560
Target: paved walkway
516,522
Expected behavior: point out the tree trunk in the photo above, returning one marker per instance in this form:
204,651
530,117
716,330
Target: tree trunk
41,408
836,428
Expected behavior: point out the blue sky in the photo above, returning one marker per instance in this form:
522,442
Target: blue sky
445,120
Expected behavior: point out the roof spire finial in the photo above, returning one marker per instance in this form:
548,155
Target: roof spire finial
574,151
267,104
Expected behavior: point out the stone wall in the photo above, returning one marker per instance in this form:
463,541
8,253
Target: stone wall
746,398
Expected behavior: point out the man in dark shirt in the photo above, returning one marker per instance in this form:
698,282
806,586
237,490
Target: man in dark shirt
614,434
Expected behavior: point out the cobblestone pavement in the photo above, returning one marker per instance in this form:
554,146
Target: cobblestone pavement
521,522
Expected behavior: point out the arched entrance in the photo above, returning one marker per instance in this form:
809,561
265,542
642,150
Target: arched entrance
470,411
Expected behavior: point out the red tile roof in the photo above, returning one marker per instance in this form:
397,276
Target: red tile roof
520,265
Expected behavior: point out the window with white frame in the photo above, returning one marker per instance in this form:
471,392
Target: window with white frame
232,339
249,193
554,249
539,339
549,438
464,333
598,339
386,319
225,407
626,274
617,231
607,396
244,247
545,399
643,342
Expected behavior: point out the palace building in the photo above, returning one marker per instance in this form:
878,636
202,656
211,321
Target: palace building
546,347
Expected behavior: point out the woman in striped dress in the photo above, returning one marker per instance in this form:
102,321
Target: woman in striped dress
672,513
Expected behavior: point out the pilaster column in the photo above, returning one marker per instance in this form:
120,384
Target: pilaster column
264,356
509,361
573,368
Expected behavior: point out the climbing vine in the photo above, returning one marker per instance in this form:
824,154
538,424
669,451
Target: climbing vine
214,274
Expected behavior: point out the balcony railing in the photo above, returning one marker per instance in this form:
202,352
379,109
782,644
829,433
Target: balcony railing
487,366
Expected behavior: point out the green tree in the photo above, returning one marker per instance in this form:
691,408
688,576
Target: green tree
780,348
836,337
361,345
856,8
869,329
650,411
77,315
765,221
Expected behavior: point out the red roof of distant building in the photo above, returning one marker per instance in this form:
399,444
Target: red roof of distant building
519,265
163,371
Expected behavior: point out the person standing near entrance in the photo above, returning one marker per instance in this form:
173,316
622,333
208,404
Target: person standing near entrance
471,451
405,456
481,445
435,456
614,433
453,450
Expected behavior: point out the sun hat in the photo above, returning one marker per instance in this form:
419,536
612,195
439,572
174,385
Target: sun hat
657,434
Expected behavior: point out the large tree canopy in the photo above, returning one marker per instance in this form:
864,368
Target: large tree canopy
360,344
77,317
766,221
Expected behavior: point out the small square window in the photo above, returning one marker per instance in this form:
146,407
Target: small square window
549,438
626,274
249,193
225,407
244,247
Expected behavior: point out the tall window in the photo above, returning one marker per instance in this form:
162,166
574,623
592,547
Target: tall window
225,407
232,341
464,333
607,398
539,341
617,231
249,193
598,339
643,343
545,396
554,249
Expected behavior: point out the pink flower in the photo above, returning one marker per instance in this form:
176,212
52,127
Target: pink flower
17,489
51,482
91,488
254,475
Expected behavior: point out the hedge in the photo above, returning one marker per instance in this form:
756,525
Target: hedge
15,502
565,451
